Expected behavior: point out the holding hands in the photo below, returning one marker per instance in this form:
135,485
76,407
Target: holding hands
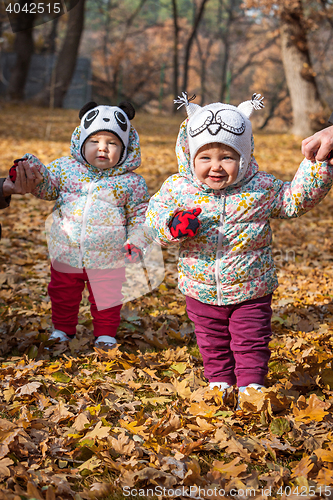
185,223
22,178
319,146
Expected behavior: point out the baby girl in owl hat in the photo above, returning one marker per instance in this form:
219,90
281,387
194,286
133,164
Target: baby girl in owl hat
218,209
100,204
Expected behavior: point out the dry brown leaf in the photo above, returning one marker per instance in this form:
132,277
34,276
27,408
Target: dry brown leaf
4,463
99,432
28,389
123,444
182,388
303,467
230,469
81,422
314,410
58,413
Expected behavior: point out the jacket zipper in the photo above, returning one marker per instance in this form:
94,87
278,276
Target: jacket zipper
84,221
219,251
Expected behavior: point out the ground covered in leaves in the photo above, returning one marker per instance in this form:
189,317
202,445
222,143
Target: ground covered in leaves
83,423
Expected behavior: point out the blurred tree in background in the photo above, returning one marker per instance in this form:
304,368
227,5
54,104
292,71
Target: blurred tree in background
148,51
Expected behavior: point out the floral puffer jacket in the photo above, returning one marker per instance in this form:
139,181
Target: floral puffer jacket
96,211
230,259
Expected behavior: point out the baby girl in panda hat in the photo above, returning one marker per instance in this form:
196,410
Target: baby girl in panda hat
100,204
218,209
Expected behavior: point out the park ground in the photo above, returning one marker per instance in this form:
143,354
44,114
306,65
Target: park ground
83,423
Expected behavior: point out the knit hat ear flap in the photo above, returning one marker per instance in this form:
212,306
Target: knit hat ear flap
183,100
247,107
87,107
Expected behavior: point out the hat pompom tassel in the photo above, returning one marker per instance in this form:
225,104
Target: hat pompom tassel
247,107
183,100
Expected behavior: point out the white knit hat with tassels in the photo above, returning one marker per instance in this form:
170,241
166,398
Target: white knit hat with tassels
222,123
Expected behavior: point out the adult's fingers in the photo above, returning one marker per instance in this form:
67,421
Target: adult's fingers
309,147
27,178
20,186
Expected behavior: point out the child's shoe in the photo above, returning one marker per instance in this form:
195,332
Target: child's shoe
257,387
59,336
222,386
244,388
105,341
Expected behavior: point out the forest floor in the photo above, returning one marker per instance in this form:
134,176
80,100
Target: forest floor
83,423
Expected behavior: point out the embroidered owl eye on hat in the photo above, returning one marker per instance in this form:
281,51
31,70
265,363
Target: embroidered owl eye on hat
114,119
222,123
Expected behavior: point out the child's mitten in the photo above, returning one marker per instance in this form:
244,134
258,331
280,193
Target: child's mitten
132,253
185,223
12,170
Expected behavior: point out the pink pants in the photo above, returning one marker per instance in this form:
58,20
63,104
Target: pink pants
104,285
233,340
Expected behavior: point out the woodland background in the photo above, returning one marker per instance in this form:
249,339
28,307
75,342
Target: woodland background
148,51
80,423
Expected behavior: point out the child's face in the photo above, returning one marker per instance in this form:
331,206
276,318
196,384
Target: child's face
216,165
103,150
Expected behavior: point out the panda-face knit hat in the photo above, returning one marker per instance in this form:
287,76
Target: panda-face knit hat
114,119
221,123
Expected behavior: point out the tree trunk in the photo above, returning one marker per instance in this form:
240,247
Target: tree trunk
54,93
175,50
298,69
190,41
24,48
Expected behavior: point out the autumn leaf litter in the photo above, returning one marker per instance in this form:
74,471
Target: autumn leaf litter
79,423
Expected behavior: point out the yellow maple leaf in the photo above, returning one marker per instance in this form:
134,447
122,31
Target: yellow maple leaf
133,427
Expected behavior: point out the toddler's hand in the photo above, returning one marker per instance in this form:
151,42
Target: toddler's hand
22,178
12,170
185,223
132,253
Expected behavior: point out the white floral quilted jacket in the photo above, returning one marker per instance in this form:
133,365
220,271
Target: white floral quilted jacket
230,259
96,212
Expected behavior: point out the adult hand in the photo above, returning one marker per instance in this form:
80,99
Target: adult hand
319,145
27,178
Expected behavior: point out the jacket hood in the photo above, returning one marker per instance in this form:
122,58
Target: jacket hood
185,167
132,160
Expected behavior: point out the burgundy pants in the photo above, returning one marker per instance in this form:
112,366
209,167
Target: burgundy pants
233,340
104,285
